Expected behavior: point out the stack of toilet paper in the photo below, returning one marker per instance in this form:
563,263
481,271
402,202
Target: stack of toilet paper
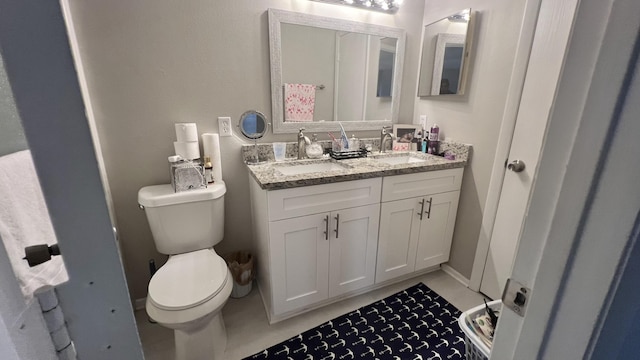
186,174
187,145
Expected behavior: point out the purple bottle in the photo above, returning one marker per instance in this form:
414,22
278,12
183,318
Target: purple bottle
434,140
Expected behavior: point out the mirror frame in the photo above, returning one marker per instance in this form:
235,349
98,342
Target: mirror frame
243,117
277,17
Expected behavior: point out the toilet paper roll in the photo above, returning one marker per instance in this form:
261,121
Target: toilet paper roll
68,353
54,319
188,150
211,146
186,132
60,338
207,144
47,298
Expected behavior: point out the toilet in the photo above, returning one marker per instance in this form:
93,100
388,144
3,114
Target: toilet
187,293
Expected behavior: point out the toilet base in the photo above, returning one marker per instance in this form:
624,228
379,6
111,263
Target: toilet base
207,342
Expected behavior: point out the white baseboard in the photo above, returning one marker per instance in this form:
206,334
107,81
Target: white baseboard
455,274
138,304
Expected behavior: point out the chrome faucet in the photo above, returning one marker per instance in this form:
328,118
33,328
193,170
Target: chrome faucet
384,135
302,144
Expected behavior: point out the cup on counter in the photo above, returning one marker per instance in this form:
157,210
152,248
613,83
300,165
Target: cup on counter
279,150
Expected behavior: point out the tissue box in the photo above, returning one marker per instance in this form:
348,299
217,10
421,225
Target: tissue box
187,175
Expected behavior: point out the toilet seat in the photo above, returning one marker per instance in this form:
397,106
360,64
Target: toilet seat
188,280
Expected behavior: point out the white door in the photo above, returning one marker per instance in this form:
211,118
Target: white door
583,217
399,231
436,232
353,248
543,73
300,258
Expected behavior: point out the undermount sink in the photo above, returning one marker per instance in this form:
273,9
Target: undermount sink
396,160
298,169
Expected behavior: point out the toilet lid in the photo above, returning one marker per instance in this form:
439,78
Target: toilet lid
188,280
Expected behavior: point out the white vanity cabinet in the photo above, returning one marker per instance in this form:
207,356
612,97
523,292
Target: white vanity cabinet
315,242
417,218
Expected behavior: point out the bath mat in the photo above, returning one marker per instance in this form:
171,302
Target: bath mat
413,324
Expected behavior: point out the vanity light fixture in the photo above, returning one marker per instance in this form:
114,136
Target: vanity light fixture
388,6
462,17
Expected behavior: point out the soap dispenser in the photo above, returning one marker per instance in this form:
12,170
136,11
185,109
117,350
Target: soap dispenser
314,150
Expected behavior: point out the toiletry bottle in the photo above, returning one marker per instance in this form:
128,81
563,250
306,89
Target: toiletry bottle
314,150
354,143
208,170
434,140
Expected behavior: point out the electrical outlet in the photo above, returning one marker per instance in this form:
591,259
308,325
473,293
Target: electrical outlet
423,121
224,126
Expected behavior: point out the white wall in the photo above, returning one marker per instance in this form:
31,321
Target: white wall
152,63
475,118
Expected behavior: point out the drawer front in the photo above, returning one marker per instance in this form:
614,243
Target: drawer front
411,185
314,199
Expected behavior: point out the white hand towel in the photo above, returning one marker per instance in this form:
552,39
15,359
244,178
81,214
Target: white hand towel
24,221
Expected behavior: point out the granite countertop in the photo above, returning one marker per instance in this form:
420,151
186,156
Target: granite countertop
270,178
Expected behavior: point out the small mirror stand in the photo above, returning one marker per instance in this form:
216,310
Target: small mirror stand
253,125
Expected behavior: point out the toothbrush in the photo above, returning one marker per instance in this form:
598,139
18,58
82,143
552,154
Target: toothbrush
333,138
343,136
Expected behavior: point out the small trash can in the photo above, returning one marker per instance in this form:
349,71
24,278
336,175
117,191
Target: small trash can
242,267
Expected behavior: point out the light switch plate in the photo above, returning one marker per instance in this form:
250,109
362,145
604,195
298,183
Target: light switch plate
224,126
423,121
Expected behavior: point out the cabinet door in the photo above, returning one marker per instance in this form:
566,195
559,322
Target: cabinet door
352,260
399,230
436,231
300,260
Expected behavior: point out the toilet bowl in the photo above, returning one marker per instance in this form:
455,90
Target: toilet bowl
187,295
188,292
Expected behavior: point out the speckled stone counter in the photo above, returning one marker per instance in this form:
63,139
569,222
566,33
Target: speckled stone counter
270,175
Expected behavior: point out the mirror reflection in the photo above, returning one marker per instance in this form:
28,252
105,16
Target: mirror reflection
445,54
331,75
325,70
253,124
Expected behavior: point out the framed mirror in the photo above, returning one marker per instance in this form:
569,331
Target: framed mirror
445,55
253,124
325,70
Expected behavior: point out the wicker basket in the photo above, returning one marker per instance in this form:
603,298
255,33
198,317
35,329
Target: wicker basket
475,348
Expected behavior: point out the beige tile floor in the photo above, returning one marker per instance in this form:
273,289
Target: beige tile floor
248,330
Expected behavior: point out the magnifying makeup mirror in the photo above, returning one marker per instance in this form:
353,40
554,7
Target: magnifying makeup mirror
253,126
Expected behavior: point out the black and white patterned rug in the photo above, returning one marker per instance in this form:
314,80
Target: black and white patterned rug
414,324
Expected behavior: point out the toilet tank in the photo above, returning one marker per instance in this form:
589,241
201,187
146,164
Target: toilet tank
184,221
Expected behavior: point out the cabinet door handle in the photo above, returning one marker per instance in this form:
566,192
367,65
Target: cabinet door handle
337,224
326,227
421,209
428,212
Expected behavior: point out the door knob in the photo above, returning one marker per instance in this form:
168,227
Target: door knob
516,166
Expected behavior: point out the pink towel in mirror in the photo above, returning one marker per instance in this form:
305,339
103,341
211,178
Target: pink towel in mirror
299,102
